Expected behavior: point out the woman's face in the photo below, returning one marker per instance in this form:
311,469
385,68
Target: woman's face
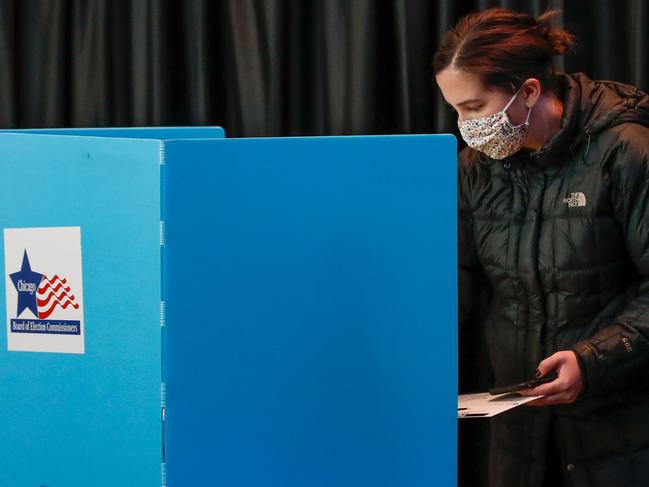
466,94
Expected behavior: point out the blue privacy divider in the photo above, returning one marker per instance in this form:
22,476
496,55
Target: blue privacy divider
89,419
311,311
288,304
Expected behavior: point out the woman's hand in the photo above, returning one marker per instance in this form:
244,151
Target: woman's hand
565,388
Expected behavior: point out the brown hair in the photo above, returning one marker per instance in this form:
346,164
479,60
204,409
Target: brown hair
504,48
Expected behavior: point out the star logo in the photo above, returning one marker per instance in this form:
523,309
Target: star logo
26,283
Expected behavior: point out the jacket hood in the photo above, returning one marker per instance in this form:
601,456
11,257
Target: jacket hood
590,107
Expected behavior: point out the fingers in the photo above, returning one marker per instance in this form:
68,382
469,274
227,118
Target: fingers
557,386
561,398
551,363
565,388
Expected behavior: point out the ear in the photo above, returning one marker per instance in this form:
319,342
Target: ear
531,91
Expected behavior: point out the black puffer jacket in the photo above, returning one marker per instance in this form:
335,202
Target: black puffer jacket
562,238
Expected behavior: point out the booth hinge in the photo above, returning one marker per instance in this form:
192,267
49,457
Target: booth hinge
162,233
162,153
163,314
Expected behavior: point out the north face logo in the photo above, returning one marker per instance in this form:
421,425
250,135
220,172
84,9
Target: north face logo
575,200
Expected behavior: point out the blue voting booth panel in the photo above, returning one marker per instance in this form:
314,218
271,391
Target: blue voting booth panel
91,418
237,312
311,311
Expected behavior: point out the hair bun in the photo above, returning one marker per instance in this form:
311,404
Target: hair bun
558,39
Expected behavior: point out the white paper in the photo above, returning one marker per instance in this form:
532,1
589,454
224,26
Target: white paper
484,405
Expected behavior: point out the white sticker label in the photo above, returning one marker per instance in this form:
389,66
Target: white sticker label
44,290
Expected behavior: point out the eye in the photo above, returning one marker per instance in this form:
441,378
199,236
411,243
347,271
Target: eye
473,109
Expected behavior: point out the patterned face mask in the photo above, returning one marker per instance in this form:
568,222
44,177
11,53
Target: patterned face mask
494,134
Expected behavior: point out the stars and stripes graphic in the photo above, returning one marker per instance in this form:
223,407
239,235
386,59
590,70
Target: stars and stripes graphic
53,292
41,294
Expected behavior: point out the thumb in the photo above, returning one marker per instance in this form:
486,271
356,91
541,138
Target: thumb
549,364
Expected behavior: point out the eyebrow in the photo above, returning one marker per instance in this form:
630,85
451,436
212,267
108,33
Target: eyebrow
466,102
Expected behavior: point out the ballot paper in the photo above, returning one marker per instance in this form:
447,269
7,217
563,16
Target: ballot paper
484,405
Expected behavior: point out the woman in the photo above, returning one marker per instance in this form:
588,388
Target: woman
554,216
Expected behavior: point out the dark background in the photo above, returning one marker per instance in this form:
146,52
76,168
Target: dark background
275,68
268,67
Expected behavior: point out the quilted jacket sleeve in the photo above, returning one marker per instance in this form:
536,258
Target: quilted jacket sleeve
616,352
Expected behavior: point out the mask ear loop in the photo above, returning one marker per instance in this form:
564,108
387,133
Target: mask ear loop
511,100
529,110
527,119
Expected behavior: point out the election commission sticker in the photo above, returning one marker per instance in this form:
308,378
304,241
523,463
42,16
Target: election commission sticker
44,289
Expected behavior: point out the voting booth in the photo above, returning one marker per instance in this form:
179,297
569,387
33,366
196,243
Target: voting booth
185,309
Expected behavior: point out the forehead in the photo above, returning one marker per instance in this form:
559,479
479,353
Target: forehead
458,86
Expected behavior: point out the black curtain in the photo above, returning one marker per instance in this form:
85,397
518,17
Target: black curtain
268,67
276,67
